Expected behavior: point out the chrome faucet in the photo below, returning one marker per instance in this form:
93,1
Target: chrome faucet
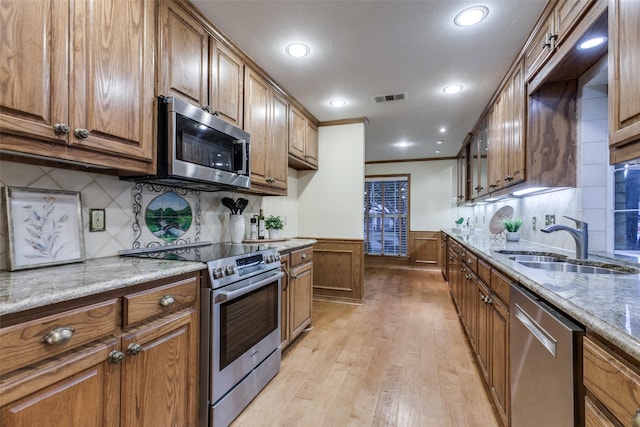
579,234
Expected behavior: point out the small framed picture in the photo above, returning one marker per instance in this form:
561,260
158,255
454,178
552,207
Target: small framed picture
97,220
44,227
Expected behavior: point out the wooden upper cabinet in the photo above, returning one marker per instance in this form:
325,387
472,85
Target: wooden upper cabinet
84,78
266,118
303,141
297,133
513,158
34,68
227,83
312,144
279,125
183,55
256,122
113,76
624,90
552,33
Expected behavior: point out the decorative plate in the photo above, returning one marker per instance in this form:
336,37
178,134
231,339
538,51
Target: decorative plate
495,225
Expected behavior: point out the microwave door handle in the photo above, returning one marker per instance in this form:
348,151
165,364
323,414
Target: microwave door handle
245,158
230,295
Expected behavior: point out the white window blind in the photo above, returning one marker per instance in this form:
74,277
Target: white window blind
386,215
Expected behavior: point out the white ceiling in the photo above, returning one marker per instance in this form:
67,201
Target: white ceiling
361,49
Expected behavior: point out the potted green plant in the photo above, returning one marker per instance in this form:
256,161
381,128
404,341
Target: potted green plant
274,224
512,225
458,222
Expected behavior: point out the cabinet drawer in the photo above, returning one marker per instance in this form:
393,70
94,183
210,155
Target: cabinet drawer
593,416
484,271
500,286
163,299
301,256
609,379
32,341
472,261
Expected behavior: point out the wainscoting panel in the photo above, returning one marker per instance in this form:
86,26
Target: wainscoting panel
338,269
425,247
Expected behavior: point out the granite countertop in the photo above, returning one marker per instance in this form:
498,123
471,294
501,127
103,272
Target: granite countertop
28,289
607,304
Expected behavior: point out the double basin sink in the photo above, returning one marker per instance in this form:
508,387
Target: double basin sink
556,262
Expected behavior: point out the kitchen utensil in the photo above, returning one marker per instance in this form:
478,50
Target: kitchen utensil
228,202
241,205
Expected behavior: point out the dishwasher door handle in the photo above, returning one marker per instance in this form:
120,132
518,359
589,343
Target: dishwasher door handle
536,330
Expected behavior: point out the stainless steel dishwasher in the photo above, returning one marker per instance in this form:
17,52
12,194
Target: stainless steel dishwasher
546,366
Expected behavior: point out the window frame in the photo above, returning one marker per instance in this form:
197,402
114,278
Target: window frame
407,216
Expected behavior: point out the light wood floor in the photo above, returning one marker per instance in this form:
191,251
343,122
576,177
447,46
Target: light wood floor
400,359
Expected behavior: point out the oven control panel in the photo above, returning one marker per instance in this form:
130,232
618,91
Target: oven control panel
228,270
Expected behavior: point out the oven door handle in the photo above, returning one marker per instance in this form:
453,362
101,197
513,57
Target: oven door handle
229,295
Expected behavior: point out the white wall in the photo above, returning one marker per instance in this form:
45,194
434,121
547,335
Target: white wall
433,186
330,200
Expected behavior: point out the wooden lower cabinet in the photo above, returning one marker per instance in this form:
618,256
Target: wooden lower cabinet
143,375
297,294
613,380
159,372
300,296
481,299
80,389
284,303
499,359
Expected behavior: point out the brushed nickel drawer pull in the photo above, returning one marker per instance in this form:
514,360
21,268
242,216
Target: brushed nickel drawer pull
81,133
167,301
303,256
134,349
635,422
61,128
58,336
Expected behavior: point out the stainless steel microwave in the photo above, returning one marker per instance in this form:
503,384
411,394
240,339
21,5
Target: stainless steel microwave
198,150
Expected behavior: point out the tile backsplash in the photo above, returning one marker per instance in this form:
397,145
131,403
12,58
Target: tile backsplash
117,198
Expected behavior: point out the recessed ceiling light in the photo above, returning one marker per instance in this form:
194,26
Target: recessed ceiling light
443,129
337,102
437,151
298,50
439,142
471,16
450,90
592,42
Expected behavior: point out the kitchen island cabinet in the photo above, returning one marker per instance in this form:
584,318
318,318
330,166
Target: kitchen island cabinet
72,94
130,359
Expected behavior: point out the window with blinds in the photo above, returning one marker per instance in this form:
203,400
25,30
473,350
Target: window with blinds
386,215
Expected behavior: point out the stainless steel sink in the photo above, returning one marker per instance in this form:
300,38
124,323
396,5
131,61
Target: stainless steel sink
537,258
579,268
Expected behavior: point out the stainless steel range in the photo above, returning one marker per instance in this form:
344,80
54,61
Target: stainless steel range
240,324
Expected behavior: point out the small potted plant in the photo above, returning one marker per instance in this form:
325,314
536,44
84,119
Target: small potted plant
458,222
274,224
512,225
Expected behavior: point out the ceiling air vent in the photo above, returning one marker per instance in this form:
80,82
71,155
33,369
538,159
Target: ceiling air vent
389,98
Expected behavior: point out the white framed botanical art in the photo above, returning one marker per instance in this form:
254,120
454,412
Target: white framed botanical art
44,227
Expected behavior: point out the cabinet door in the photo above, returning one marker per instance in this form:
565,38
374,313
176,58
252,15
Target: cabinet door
34,68
482,340
301,298
278,142
494,136
539,49
183,55
159,377
567,14
112,76
81,389
499,353
515,157
297,133
624,90
227,83
284,303
256,122
311,145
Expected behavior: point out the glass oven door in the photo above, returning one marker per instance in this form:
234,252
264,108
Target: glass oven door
246,328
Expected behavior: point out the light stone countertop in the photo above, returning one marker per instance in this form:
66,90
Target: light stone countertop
607,304
28,289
